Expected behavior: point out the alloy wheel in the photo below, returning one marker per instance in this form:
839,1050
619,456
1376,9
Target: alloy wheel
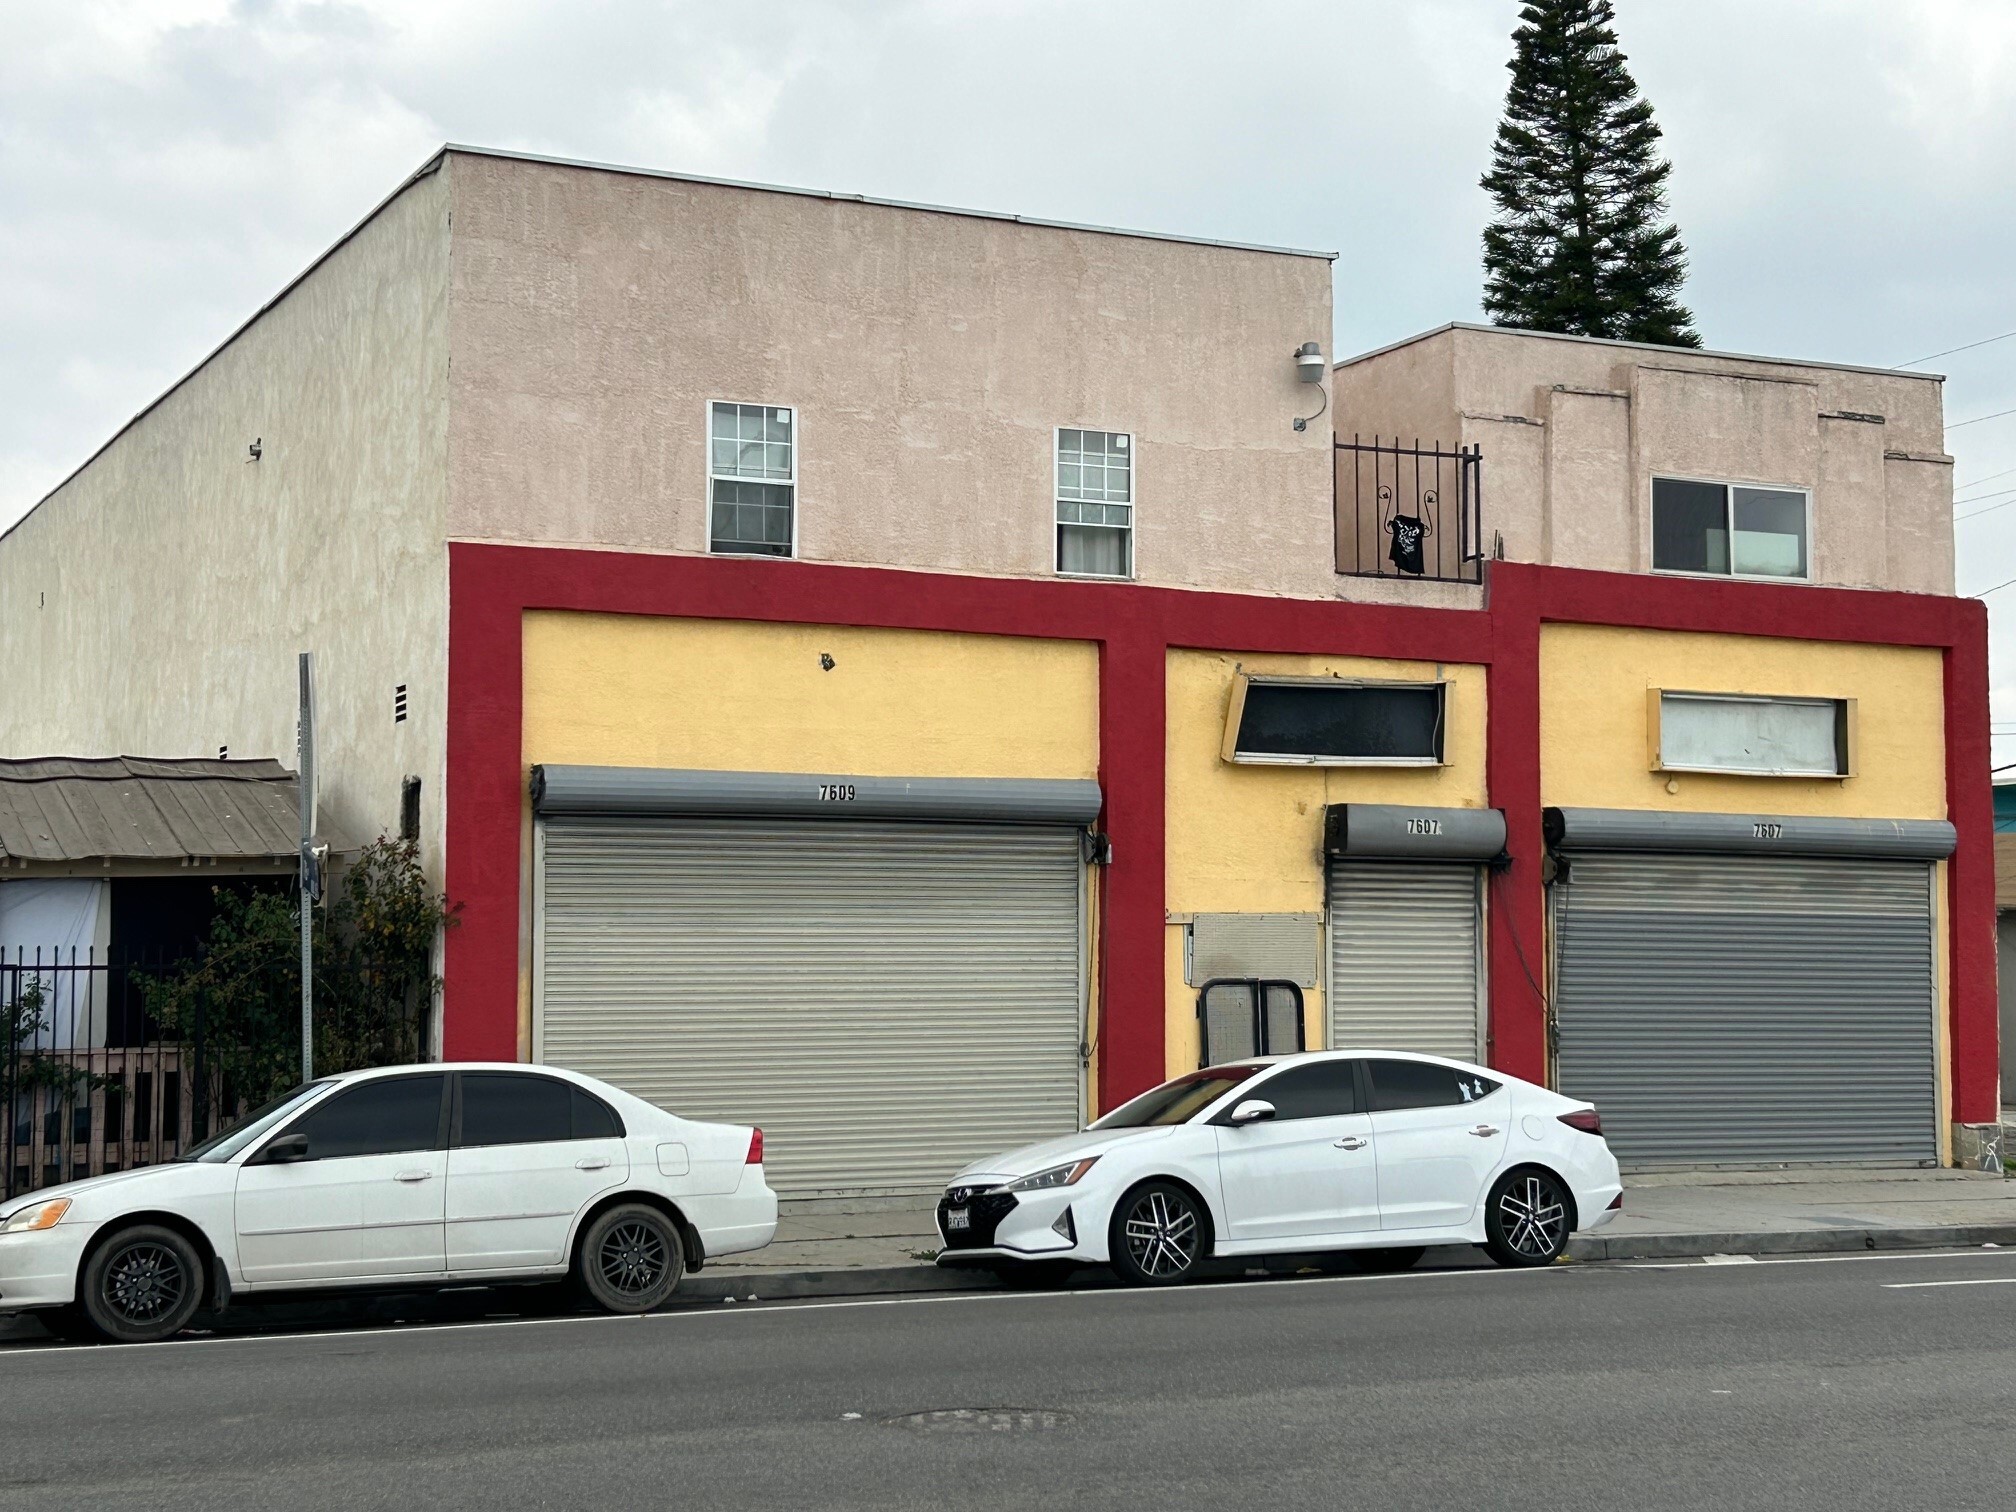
632,1259
144,1283
1162,1234
1534,1216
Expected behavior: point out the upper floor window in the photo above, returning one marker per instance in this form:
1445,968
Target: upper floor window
1095,503
1729,529
752,479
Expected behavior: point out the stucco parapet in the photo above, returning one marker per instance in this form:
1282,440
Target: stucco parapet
1937,459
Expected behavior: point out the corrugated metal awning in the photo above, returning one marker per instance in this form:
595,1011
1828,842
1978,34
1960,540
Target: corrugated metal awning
129,808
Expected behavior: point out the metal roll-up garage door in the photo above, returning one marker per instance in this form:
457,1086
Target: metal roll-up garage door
1740,1009
1404,957
886,1000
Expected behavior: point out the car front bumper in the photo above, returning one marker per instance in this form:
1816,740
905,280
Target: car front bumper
1011,1226
40,1269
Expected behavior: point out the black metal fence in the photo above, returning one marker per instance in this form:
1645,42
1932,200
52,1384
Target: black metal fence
1410,511
108,1063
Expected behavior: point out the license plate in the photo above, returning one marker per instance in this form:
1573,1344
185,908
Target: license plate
957,1219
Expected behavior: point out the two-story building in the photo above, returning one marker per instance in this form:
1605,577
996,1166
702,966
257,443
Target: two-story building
912,678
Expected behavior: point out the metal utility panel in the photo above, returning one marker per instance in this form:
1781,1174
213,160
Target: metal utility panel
1284,947
1404,967
1748,1009
886,1000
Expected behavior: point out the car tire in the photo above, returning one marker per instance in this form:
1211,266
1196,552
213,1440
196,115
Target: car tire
1374,1262
1528,1218
629,1259
141,1285
1160,1234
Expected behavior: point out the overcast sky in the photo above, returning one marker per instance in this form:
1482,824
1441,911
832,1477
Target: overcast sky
1841,167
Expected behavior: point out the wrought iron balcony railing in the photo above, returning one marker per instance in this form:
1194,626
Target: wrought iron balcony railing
1409,511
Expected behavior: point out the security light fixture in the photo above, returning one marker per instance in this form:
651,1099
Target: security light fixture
1309,368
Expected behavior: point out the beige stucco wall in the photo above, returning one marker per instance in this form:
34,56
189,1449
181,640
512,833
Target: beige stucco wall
155,603
930,356
1574,431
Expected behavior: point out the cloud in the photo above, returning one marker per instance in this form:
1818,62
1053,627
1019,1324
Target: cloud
167,165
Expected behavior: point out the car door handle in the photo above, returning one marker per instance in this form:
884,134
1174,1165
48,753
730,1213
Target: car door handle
412,1176
1351,1142
1484,1131
592,1163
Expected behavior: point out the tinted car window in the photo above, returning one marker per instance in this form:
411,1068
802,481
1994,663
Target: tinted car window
500,1108
1398,1084
1177,1101
378,1118
1321,1090
593,1118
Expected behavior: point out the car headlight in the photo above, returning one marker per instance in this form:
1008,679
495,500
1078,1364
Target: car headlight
1056,1176
40,1216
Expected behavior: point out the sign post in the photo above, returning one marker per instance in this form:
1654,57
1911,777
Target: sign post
310,878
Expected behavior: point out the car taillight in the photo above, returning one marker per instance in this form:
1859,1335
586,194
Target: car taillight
1584,1119
755,1148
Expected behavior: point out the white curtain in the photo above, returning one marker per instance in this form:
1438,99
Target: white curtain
55,918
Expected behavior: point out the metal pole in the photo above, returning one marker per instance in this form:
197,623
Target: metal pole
308,889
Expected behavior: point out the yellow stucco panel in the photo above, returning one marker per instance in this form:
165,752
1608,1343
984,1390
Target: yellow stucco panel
728,695
1595,721
1249,839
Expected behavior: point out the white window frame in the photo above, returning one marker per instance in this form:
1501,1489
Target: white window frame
1133,506
1728,487
1847,740
707,443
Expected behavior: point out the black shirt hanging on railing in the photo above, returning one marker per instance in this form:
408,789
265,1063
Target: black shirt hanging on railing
1405,552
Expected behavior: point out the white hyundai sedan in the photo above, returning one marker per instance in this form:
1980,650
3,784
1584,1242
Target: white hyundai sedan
1369,1156
410,1176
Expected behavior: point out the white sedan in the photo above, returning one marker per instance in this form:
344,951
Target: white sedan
1368,1155
407,1176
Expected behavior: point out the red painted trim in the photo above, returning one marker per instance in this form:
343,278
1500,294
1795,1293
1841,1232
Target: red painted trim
1972,1007
491,587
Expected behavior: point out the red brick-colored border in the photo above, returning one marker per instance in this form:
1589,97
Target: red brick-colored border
491,588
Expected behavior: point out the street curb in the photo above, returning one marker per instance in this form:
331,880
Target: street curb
895,1279
1601,1246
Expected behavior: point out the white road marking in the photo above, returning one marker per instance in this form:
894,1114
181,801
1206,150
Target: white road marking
782,1305
787,1305
1803,1259
1916,1285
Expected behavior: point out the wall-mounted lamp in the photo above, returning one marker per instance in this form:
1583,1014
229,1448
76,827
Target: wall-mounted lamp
1309,367
257,450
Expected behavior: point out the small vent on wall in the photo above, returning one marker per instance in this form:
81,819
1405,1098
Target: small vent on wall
399,704
223,753
409,809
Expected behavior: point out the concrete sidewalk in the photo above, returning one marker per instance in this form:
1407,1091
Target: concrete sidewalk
835,1249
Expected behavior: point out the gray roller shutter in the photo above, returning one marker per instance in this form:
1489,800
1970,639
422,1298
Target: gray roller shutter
886,1000
1403,957
1746,1010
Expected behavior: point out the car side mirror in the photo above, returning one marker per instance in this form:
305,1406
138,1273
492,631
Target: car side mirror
285,1150
1253,1110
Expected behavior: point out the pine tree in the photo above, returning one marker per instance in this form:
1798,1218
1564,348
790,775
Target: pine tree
1581,243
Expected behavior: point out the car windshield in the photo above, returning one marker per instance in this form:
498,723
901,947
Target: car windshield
1177,1101
235,1137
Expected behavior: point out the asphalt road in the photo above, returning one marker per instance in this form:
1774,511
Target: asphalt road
1846,1383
